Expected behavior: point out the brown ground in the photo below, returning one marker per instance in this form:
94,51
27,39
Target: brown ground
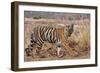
79,40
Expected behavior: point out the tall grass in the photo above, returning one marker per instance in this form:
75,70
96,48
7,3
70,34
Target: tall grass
79,40
81,35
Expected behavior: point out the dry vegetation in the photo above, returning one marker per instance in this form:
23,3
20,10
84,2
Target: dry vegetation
79,40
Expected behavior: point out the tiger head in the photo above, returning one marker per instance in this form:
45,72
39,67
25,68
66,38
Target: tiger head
69,30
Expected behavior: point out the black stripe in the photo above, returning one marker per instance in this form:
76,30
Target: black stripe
46,33
51,35
43,34
39,38
54,35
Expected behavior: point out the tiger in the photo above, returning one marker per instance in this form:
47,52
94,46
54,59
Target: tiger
50,34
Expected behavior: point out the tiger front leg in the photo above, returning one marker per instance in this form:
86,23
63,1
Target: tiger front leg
60,50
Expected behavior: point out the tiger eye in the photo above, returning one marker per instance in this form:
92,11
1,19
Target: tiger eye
31,41
31,45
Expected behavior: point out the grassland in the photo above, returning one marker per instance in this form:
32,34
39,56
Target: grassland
79,40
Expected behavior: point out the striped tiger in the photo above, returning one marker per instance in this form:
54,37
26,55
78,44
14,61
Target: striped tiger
50,34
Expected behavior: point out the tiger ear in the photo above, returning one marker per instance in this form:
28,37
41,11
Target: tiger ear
71,26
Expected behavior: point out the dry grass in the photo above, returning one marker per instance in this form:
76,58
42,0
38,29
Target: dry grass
79,40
